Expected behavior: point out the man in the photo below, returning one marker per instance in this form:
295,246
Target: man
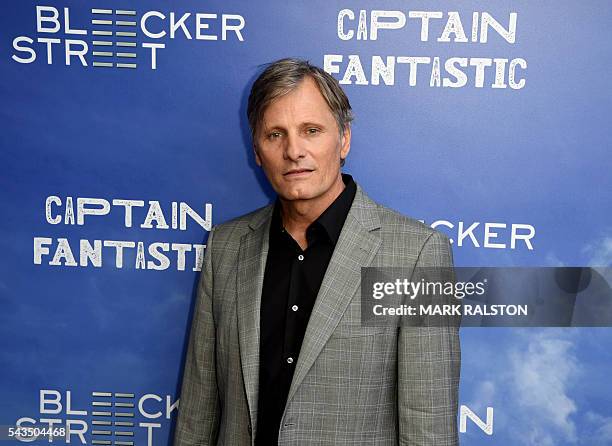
277,352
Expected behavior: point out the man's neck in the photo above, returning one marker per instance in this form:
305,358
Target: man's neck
297,215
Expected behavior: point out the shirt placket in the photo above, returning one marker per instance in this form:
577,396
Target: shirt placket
290,350
295,299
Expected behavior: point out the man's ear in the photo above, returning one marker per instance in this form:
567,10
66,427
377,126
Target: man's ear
345,142
257,159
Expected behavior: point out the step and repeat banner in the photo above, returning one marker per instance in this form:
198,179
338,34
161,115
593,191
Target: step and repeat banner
124,139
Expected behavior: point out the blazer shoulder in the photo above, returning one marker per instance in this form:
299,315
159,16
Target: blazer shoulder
392,223
232,230
407,237
399,222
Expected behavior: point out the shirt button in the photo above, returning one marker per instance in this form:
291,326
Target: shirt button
300,257
294,308
289,360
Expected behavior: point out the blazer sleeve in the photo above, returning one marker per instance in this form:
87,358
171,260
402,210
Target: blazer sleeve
429,363
199,407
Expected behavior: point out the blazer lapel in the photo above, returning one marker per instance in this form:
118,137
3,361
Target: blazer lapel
249,283
356,247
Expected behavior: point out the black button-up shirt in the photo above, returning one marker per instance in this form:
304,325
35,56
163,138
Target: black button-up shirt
291,283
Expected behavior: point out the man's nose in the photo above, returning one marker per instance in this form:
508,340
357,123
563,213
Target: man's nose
294,147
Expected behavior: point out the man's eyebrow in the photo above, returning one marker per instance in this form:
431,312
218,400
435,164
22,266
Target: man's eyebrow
267,127
312,124
272,129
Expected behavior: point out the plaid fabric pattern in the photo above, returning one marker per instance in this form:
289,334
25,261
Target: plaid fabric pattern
352,385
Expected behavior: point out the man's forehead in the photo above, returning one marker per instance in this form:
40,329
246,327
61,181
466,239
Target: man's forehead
304,102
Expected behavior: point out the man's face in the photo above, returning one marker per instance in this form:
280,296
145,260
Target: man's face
299,147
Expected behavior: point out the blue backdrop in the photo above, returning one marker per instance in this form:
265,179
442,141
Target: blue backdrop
504,146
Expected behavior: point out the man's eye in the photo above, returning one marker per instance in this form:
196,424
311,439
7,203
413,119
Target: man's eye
274,135
312,131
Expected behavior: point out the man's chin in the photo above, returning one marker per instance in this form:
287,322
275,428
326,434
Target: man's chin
296,195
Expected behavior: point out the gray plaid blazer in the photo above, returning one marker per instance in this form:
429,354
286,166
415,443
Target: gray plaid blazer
353,384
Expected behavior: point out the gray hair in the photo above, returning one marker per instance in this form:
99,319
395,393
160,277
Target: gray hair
282,77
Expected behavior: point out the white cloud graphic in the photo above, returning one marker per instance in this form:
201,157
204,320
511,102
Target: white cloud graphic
529,377
541,374
600,252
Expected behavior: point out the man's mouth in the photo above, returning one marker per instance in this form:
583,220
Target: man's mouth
297,172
